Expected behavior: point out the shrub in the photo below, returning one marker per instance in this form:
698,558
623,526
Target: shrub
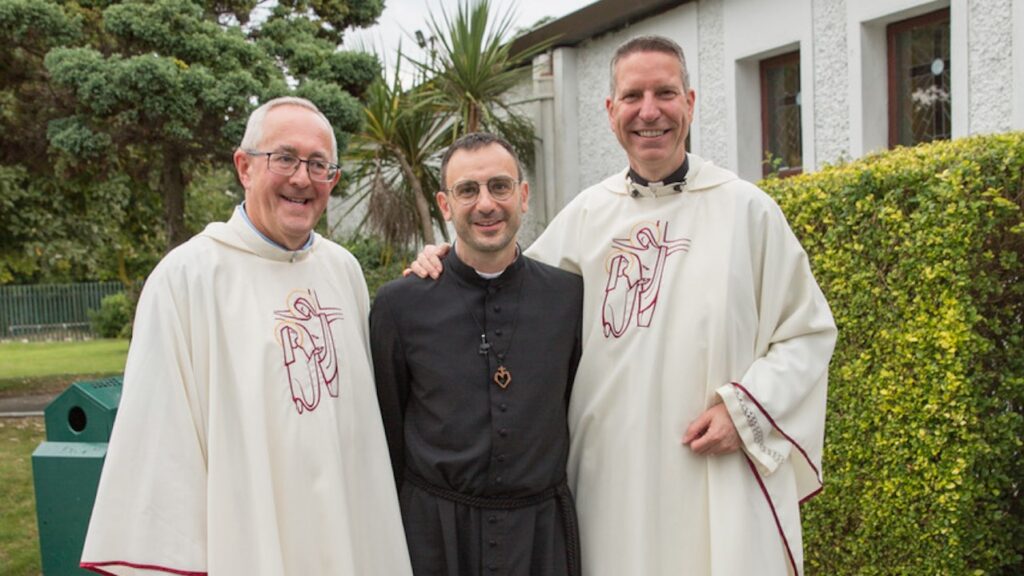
114,317
920,252
381,263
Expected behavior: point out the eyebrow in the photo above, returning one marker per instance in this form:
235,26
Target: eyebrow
291,150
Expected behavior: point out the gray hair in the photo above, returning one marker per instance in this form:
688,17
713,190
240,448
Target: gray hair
254,127
649,44
476,141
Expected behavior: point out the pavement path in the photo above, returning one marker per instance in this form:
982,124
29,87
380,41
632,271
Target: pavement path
20,406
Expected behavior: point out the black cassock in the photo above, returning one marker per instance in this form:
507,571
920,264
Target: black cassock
481,468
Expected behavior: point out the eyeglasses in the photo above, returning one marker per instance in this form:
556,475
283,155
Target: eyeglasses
285,164
467,192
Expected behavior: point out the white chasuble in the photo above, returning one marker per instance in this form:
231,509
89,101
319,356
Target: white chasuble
248,440
692,297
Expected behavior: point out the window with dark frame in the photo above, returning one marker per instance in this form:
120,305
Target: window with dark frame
781,127
919,79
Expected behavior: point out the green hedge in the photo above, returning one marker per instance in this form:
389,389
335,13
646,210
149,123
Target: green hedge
920,252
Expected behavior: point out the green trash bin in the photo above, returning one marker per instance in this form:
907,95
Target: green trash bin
66,469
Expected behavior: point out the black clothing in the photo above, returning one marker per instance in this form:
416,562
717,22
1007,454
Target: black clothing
471,459
676,177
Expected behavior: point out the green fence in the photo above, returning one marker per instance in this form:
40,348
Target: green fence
51,311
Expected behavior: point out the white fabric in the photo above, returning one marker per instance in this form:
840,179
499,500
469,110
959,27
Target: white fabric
692,298
248,439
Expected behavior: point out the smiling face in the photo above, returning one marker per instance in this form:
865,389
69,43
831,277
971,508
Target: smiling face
650,112
487,228
286,208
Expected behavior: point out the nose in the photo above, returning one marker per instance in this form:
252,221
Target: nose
300,177
484,201
649,110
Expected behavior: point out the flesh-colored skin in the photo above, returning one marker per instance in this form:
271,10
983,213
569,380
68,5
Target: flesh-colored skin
286,208
487,228
650,112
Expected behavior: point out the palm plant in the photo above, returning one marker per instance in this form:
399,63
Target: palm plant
473,70
463,87
401,132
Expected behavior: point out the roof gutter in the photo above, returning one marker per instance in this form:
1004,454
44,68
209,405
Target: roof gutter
593,20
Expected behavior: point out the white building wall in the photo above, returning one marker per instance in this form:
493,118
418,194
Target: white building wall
990,73
831,79
600,153
712,98
1018,65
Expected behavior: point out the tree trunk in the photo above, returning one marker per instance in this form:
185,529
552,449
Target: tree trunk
422,208
473,121
173,182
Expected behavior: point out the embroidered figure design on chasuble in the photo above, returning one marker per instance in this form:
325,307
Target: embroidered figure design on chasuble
636,265
307,345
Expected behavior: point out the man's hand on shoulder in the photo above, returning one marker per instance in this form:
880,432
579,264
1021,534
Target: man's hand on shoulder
713,432
428,261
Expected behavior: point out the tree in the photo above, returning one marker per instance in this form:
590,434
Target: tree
134,99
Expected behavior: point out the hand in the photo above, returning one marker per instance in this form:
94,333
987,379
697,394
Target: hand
428,261
713,432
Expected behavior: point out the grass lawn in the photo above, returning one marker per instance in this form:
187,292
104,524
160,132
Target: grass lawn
39,367
19,535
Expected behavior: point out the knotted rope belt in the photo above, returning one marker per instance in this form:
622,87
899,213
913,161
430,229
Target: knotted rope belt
560,492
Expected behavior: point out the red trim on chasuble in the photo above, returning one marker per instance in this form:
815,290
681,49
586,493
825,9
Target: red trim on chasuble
817,473
96,567
775,515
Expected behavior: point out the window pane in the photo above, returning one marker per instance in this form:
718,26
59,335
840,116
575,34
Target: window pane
780,91
920,100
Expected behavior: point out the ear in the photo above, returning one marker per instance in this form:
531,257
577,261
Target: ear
242,164
525,200
442,203
608,104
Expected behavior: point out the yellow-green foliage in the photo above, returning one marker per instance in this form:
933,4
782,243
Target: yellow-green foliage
920,252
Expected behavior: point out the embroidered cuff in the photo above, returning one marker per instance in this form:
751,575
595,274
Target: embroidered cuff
767,450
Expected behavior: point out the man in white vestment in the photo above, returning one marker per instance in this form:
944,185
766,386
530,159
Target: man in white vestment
248,440
697,415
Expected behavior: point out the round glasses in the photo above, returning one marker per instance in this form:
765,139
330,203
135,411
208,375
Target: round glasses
467,192
285,164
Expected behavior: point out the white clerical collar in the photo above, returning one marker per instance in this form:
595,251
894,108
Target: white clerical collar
491,275
241,209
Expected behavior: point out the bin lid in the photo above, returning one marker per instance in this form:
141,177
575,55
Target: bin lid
106,392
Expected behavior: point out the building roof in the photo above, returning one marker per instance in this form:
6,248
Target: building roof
592,20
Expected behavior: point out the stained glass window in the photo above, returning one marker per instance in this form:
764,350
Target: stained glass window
919,79
781,140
